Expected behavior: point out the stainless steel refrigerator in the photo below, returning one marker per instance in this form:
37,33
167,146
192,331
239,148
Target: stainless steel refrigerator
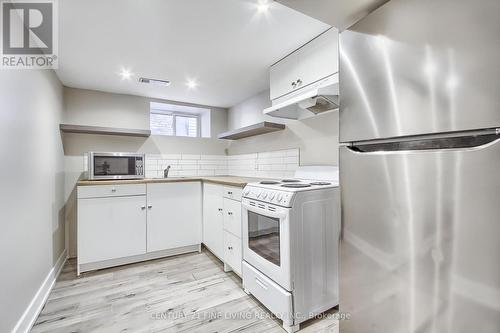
420,168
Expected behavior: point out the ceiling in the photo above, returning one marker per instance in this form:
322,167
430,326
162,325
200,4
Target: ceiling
226,46
340,14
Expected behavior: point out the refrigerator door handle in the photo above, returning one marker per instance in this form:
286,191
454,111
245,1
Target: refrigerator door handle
462,143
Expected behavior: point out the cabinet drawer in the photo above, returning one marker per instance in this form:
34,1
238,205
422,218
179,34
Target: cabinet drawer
276,299
232,192
232,216
232,251
102,191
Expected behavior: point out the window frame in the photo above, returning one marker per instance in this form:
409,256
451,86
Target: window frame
174,115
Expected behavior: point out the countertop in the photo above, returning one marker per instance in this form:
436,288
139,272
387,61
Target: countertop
223,180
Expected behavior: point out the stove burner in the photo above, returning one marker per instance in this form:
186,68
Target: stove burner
290,181
321,183
296,185
269,182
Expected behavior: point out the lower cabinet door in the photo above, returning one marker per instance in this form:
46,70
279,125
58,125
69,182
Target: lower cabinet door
213,230
111,228
174,215
232,251
232,216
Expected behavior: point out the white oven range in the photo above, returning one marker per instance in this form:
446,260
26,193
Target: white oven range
291,244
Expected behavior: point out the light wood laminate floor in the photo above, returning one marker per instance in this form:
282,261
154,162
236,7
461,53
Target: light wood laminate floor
187,293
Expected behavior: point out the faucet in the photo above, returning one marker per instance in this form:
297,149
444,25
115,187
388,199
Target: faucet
165,172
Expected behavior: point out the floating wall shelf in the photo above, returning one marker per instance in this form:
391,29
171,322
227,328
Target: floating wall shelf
257,129
104,130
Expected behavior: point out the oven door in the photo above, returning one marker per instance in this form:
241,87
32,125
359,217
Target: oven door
266,240
116,166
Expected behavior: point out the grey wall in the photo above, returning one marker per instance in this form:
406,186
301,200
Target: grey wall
32,190
317,137
89,107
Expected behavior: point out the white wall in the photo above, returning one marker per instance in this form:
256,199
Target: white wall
32,187
316,137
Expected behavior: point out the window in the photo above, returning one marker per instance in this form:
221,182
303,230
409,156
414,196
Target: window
178,120
186,126
163,123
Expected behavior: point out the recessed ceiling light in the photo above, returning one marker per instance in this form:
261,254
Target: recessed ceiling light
164,83
262,6
126,74
191,83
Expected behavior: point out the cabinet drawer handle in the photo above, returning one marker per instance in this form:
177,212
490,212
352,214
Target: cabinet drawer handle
113,190
294,84
229,247
299,82
220,209
230,193
229,213
143,207
150,206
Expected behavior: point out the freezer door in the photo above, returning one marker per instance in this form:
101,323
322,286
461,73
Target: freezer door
420,66
421,238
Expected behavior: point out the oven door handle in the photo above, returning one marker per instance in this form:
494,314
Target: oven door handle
265,212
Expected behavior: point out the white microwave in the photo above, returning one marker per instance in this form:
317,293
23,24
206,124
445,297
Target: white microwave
105,166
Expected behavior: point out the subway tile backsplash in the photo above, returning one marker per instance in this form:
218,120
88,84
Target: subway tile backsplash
274,164
185,165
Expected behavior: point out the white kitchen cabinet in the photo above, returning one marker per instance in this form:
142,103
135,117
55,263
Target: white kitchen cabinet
312,62
232,252
232,192
222,223
232,216
111,227
213,237
283,76
174,215
126,223
318,59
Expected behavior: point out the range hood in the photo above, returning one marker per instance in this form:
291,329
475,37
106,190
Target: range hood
317,98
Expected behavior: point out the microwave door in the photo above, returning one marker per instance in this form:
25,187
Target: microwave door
114,166
420,234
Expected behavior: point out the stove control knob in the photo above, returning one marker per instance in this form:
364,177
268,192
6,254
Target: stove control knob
280,197
258,194
272,195
246,193
264,195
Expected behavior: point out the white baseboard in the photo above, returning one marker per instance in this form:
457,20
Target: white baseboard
36,305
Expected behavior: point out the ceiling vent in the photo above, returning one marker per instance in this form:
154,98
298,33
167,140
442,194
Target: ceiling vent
164,83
